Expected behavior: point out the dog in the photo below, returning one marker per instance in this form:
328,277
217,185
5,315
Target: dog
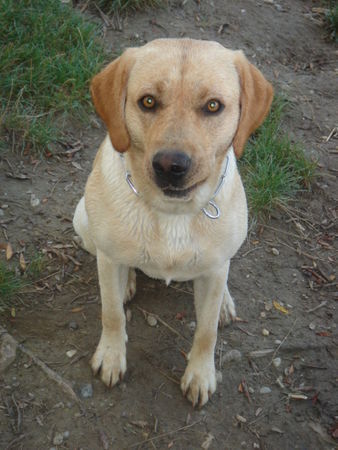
164,195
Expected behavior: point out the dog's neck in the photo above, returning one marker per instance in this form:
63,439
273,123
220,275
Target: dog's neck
215,211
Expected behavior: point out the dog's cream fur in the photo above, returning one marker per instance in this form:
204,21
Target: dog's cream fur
169,238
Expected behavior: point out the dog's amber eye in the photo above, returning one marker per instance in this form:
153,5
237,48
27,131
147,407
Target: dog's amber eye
148,102
213,106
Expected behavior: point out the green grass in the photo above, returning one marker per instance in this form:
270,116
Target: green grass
10,284
13,280
332,21
48,55
274,169
111,6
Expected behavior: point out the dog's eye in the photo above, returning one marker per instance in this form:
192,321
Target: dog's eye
147,102
213,106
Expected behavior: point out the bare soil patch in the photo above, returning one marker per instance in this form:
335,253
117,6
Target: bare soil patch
283,279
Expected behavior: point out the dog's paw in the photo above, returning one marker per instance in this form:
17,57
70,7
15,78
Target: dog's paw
131,286
228,310
110,360
199,382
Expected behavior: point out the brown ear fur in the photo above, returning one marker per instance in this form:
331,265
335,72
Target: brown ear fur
108,90
255,101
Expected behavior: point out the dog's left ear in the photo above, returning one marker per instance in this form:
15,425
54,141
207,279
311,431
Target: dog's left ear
255,101
108,90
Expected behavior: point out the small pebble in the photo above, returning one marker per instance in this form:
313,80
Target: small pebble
71,353
66,434
265,332
232,355
128,315
87,391
73,325
275,251
279,8
34,201
263,315
251,390
278,341
264,390
277,362
7,351
312,326
268,306
152,321
58,439
192,325
240,418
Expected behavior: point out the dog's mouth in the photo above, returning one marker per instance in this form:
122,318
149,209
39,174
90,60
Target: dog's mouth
175,192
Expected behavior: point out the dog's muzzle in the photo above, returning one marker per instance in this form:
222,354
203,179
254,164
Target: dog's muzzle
170,170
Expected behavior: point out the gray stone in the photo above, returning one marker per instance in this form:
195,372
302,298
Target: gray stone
277,362
58,439
264,390
87,391
73,325
232,355
7,351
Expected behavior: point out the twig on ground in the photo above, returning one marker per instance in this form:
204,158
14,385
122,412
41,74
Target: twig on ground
51,374
300,252
180,289
167,434
16,441
317,307
250,251
333,132
279,346
146,313
18,425
245,331
104,16
269,227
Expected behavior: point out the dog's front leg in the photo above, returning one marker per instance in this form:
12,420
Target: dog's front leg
199,379
110,355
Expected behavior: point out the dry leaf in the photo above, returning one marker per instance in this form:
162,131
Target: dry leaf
280,307
22,262
139,423
323,333
9,251
317,428
206,444
298,396
77,309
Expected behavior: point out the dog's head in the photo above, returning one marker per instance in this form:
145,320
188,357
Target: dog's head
176,106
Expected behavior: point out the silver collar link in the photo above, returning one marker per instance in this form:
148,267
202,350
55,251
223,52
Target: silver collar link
215,214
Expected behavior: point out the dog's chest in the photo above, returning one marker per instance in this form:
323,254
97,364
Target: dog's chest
174,251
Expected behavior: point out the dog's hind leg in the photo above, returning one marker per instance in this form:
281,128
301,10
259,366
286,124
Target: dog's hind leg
131,285
80,224
228,310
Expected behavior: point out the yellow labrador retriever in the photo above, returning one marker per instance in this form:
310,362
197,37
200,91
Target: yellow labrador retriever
164,195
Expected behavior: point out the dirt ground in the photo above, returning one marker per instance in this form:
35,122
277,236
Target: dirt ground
262,402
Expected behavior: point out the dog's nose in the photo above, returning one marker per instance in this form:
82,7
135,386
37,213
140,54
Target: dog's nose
171,166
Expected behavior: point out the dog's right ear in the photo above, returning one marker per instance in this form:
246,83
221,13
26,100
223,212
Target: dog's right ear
108,90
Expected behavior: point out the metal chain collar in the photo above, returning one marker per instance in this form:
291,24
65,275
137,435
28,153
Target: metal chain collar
211,202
